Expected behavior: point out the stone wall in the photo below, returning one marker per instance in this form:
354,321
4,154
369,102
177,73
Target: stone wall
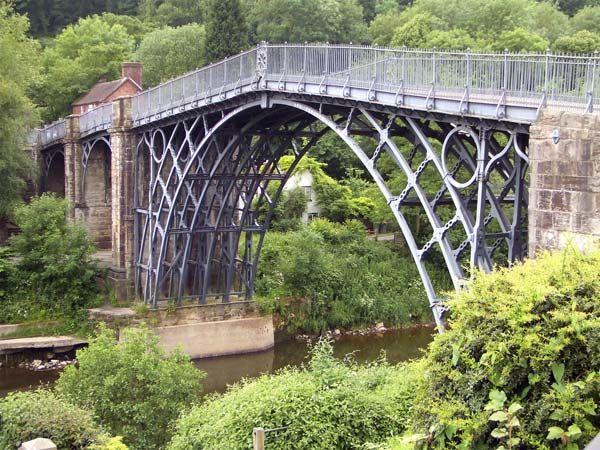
564,193
96,209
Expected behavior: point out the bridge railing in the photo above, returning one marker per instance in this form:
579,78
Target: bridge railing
53,133
201,84
95,119
568,81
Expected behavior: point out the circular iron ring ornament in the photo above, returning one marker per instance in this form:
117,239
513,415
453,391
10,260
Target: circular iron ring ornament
447,174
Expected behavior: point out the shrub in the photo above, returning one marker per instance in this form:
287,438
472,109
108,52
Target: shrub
529,336
30,415
131,386
327,405
330,275
55,258
115,443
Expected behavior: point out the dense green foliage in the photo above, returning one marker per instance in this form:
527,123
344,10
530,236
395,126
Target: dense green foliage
326,405
307,20
49,16
226,33
331,275
18,71
55,271
79,56
41,413
168,52
528,335
47,272
131,386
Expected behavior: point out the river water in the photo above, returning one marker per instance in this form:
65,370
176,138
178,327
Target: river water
398,345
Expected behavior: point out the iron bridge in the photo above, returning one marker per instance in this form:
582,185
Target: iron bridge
455,125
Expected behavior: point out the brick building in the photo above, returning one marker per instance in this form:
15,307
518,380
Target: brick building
104,91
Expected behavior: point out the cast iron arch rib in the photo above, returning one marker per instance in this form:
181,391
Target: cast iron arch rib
206,177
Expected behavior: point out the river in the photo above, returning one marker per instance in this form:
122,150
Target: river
398,345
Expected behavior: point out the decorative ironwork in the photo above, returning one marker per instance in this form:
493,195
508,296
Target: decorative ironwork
203,202
455,124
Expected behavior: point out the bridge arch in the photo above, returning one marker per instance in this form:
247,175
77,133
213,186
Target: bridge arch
96,186
53,170
206,178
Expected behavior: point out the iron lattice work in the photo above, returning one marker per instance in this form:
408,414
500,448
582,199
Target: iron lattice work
203,202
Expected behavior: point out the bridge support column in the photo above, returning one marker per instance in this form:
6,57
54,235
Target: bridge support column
72,149
122,152
564,194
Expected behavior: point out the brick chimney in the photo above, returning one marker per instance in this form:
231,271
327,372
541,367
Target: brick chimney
132,70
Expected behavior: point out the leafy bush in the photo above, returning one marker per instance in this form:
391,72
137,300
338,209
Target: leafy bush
131,386
55,258
30,415
526,336
115,443
327,405
331,275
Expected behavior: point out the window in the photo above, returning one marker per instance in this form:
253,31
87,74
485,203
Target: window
308,192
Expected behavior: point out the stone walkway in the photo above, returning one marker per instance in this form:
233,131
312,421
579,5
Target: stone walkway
53,343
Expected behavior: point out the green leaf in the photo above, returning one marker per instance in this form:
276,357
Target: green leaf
450,431
497,396
499,433
514,441
558,370
573,431
455,356
514,422
514,407
555,433
533,378
499,416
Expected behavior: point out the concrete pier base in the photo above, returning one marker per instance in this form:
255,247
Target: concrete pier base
224,337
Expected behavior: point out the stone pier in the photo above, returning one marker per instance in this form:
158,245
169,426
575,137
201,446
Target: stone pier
564,192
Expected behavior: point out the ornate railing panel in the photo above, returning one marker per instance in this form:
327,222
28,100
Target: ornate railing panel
503,85
203,84
95,119
53,133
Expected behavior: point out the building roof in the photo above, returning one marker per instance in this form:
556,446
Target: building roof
101,91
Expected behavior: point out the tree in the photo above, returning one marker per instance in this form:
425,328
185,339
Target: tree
131,386
383,27
301,21
519,40
49,16
452,40
587,19
226,33
77,58
19,57
581,42
549,22
414,33
55,257
180,12
169,52
133,25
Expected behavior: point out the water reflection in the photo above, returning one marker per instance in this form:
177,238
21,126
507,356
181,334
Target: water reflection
398,345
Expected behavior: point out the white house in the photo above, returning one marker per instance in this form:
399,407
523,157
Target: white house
304,180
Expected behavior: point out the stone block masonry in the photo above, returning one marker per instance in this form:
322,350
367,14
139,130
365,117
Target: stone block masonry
564,187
